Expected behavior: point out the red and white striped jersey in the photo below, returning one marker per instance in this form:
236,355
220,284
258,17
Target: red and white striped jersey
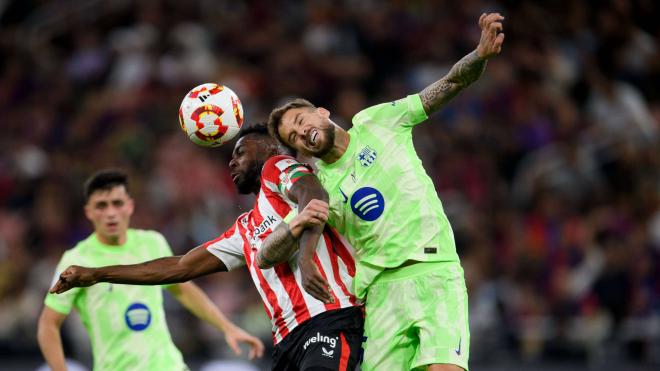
280,287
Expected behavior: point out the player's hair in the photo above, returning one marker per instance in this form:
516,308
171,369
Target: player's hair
275,118
104,180
258,128
261,128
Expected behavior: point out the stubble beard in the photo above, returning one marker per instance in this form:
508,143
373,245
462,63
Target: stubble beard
329,134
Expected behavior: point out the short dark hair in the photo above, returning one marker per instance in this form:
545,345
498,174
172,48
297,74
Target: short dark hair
275,118
105,180
261,129
258,128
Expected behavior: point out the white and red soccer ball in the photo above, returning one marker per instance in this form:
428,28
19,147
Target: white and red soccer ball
211,114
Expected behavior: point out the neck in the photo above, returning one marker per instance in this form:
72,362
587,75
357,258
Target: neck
112,240
342,138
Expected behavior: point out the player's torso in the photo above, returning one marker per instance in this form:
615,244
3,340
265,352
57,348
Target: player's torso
383,202
126,323
280,287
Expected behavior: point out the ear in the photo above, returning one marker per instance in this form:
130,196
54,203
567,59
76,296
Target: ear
130,205
323,112
88,211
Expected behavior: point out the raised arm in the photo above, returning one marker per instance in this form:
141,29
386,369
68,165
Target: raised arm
469,68
197,262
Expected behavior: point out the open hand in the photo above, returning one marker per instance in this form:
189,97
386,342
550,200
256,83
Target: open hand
492,38
236,335
313,282
74,276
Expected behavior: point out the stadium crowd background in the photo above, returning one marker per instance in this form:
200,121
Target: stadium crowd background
548,167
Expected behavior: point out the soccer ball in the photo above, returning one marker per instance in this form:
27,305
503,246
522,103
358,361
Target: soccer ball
211,114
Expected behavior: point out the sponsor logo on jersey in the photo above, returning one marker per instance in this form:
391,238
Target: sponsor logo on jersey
367,156
318,338
368,204
137,317
263,226
268,222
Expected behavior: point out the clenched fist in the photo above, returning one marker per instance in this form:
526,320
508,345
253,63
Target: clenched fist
74,276
492,38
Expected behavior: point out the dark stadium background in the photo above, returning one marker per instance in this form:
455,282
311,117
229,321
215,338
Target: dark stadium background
548,167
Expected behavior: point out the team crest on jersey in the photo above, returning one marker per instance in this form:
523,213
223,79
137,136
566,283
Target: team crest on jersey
367,156
137,317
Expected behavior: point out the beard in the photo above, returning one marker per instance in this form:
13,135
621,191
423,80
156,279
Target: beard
248,182
329,134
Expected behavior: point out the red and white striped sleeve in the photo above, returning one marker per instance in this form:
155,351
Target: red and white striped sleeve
284,172
229,247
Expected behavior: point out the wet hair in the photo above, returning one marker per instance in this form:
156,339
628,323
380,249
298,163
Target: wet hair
105,180
275,118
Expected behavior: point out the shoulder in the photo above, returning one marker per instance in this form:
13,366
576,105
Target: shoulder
277,165
235,231
81,249
144,233
404,112
279,162
146,236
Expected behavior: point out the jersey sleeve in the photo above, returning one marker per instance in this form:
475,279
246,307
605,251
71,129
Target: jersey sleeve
64,302
406,113
282,172
229,247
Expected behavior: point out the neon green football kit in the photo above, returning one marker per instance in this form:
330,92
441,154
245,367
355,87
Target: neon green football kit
384,203
126,323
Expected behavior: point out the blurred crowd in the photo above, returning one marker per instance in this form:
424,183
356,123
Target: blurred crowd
548,167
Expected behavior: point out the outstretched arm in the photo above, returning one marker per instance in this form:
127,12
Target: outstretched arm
196,301
469,68
173,269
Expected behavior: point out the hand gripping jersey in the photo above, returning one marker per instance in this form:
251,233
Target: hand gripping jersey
280,287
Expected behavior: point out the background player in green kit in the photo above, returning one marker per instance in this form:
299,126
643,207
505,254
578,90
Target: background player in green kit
126,324
384,203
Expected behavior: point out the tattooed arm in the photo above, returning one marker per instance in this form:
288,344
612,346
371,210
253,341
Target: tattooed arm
284,240
469,68
281,245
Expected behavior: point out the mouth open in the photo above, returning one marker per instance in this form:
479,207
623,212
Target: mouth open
312,138
234,176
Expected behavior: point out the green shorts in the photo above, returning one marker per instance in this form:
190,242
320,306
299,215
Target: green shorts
415,316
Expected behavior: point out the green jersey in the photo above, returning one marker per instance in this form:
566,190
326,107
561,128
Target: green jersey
126,323
381,198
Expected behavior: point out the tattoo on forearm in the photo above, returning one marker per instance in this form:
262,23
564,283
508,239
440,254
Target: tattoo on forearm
462,74
277,247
